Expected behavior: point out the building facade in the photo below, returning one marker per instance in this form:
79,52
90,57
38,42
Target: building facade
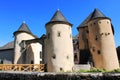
59,50
96,35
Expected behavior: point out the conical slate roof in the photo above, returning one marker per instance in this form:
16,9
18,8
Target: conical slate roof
95,14
58,16
23,28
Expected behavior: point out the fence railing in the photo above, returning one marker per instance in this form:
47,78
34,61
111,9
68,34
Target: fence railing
22,67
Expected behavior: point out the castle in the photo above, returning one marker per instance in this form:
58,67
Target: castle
55,48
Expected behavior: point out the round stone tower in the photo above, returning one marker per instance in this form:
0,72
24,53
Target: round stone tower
23,33
59,49
102,45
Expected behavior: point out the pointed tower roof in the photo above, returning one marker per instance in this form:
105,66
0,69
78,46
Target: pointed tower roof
58,17
97,14
23,28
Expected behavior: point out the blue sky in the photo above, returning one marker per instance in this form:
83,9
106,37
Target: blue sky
36,13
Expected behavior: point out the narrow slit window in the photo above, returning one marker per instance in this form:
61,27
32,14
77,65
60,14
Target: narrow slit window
54,56
99,52
59,34
96,37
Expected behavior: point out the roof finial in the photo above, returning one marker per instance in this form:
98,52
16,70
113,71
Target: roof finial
58,9
23,21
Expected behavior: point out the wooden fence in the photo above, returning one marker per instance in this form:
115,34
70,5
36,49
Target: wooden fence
22,67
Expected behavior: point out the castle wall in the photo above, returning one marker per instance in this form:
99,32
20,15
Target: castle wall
34,54
84,45
29,57
102,45
59,47
18,51
37,51
6,56
82,39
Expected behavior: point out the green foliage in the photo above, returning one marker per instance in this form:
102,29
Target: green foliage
116,70
82,70
92,70
97,70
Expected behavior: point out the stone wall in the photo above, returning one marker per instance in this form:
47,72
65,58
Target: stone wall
58,76
6,56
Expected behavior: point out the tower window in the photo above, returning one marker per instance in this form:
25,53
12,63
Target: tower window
107,22
54,56
59,34
101,34
108,33
98,51
61,69
96,37
93,49
67,57
75,56
40,62
99,22
87,31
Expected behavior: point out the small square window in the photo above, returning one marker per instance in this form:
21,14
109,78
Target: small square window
61,69
99,22
67,57
99,52
108,33
96,37
93,49
54,56
87,31
40,62
59,34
